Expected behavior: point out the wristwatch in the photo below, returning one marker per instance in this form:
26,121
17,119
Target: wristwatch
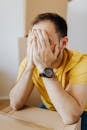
48,73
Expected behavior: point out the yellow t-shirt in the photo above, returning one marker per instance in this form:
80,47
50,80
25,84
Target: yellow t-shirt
72,71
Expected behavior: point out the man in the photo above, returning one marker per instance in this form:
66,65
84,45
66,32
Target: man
59,74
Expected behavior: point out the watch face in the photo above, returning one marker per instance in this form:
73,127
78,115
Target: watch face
49,72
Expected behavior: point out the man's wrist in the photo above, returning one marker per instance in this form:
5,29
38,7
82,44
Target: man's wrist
41,68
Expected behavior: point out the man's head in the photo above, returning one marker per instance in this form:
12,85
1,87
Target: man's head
56,28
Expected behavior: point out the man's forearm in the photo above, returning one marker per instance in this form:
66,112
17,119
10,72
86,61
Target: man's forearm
64,103
22,89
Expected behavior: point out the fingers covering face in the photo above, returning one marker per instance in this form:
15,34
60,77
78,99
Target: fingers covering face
42,38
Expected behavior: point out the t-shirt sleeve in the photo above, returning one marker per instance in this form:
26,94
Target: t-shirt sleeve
78,75
21,68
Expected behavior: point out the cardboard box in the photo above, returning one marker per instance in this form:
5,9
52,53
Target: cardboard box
33,119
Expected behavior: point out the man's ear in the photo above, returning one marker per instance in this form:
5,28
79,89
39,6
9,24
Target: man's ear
63,42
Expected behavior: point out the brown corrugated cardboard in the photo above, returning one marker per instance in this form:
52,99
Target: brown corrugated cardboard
34,119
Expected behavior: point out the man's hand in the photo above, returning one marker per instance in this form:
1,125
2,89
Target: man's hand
42,53
30,49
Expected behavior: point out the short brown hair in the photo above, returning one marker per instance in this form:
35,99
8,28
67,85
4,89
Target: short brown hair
58,21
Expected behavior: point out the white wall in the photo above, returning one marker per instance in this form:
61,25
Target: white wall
77,21
11,27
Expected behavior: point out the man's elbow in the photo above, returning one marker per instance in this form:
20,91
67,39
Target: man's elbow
15,106
73,117
71,120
